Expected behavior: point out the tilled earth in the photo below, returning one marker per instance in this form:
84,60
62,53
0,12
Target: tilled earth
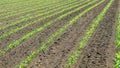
100,50
98,53
66,43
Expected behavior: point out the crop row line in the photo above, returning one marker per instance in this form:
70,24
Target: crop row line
52,8
64,8
26,10
117,59
19,7
28,35
20,3
22,19
82,44
7,2
53,37
32,5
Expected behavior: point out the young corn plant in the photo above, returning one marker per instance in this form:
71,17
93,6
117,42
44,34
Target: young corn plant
28,35
29,10
51,39
117,65
32,4
20,7
13,11
35,9
73,57
38,21
22,19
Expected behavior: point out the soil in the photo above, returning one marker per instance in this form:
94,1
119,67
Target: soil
100,50
34,12
34,19
65,44
98,53
6,41
16,55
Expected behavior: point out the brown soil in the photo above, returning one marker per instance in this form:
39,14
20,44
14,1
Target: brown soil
98,53
15,18
34,12
16,55
100,50
5,42
19,7
31,20
59,51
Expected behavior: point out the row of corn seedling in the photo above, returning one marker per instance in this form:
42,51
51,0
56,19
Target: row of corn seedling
22,18
28,16
4,2
30,4
117,65
74,56
22,4
25,10
28,35
64,8
54,36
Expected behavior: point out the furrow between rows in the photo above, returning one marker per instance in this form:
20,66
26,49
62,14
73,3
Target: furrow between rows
31,30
